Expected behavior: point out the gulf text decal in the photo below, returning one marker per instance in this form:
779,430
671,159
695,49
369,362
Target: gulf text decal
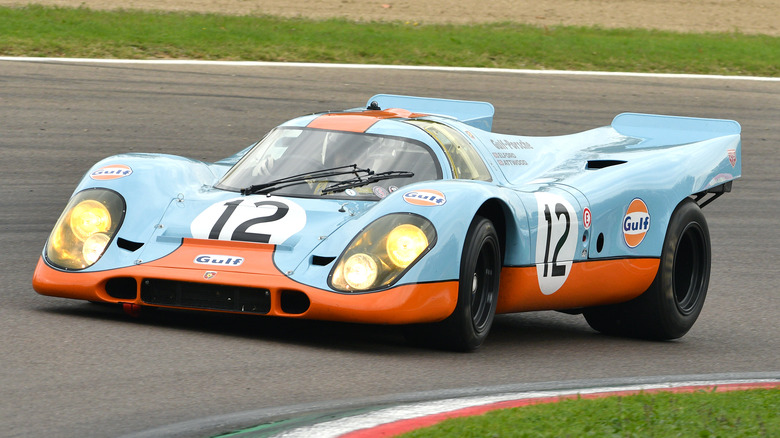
425,197
636,222
218,260
112,171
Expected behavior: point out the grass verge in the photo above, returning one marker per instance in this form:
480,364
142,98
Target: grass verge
751,413
79,32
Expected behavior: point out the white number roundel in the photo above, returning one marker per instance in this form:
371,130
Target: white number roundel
251,219
556,241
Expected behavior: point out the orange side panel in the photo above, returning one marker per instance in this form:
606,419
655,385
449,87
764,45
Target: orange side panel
591,283
399,305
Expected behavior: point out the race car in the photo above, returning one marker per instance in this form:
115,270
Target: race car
409,211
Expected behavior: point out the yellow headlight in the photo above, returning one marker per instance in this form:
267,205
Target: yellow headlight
89,217
85,229
382,251
65,245
360,271
405,243
94,247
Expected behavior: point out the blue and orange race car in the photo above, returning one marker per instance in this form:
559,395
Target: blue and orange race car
409,211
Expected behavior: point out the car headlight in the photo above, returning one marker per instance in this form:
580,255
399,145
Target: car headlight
405,243
85,229
360,271
382,252
89,217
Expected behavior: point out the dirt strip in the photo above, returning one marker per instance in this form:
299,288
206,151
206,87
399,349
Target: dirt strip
745,16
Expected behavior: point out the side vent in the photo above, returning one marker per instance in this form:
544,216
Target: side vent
601,164
321,261
128,244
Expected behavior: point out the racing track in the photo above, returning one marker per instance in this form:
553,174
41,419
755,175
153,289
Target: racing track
74,369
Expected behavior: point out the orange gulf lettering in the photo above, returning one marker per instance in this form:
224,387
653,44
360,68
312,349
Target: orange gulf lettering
590,283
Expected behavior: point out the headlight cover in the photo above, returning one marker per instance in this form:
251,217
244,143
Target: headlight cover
85,228
382,252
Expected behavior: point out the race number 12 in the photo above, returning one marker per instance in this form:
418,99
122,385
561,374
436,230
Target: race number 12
556,241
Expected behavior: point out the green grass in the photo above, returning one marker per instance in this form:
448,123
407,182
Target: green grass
79,32
752,413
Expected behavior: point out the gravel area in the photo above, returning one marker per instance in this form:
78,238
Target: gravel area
746,16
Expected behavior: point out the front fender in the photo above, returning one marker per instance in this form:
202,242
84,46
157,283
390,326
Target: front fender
450,205
148,183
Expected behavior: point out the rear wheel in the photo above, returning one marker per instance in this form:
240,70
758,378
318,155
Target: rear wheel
672,303
468,325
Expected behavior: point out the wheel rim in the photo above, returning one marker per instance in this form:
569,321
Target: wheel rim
690,263
482,285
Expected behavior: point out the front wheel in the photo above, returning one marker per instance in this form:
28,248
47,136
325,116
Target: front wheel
672,303
480,267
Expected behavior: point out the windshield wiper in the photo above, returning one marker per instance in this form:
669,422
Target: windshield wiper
370,178
266,188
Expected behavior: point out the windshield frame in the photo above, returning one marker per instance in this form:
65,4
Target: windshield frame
464,159
262,148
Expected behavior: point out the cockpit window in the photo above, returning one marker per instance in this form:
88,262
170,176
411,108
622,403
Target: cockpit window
465,161
289,151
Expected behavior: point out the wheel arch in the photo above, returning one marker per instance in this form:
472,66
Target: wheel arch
499,214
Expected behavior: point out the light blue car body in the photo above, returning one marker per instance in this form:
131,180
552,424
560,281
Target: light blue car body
659,160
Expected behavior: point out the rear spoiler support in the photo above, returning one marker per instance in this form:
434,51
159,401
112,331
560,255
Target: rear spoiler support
716,193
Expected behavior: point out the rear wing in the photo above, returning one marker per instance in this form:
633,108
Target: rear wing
476,114
658,130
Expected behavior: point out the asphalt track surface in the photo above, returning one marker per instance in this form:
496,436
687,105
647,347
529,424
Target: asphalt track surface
74,369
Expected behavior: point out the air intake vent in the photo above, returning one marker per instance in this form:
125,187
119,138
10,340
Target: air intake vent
294,302
123,288
321,261
128,244
600,164
205,296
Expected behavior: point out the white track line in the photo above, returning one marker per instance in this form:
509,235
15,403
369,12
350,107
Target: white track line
384,67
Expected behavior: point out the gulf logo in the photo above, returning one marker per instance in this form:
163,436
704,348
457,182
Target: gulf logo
636,222
113,171
425,197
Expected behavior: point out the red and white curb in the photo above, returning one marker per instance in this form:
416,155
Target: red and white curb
400,419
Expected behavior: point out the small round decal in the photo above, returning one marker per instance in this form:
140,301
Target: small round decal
636,223
380,192
586,218
425,197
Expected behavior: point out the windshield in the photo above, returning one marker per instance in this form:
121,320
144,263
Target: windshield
288,152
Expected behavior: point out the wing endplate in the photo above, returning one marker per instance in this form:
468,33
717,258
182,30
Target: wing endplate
659,130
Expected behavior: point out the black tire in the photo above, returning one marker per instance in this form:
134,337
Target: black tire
480,268
673,302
